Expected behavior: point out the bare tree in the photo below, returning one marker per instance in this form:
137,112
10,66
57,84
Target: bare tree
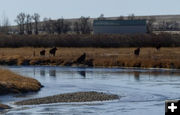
29,24
150,23
101,17
66,27
171,25
48,25
58,25
36,18
5,25
20,20
121,18
84,25
77,27
175,25
131,17
163,25
61,26
0,26
45,25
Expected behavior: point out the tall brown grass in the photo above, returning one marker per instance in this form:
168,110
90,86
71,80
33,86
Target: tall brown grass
102,57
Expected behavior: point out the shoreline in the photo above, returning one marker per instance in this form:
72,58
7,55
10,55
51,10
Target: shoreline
95,67
86,64
12,83
138,69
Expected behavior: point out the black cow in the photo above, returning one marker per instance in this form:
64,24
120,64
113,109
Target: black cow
53,51
158,47
81,58
137,51
42,52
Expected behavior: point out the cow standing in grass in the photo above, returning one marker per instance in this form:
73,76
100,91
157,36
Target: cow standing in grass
158,47
82,58
53,51
137,51
42,52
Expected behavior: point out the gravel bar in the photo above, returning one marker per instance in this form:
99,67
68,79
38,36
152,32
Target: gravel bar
70,97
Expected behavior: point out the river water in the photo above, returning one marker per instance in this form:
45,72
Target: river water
141,91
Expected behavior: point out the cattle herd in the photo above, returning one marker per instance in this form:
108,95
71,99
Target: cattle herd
137,51
52,52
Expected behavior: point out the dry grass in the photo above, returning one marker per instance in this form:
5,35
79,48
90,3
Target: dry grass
13,83
2,106
102,57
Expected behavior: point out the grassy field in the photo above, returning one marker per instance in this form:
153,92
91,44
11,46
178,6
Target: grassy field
13,83
102,57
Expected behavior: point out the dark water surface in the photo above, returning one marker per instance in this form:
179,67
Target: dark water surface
142,92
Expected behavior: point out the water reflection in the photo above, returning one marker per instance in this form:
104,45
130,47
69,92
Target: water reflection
137,76
34,72
82,73
52,73
42,72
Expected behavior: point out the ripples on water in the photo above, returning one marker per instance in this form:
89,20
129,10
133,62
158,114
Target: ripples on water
141,91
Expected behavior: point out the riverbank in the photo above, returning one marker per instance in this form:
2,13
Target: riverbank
13,83
95,57
2,107
70,97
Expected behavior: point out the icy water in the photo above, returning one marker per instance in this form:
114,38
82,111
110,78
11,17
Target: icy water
142,92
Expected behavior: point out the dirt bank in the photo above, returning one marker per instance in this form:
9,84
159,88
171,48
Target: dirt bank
2,107
70,97
13,83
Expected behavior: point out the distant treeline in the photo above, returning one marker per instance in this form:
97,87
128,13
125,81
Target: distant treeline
73,40
30,24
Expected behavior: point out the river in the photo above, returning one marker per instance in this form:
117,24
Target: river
141,91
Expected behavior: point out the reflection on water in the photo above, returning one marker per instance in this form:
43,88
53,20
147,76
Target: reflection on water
137,76
42,72
52,73
147,89
82,73
34,72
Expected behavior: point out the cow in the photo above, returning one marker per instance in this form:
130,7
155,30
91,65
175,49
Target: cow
82,58
137,51
42,52
158,47
53,51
